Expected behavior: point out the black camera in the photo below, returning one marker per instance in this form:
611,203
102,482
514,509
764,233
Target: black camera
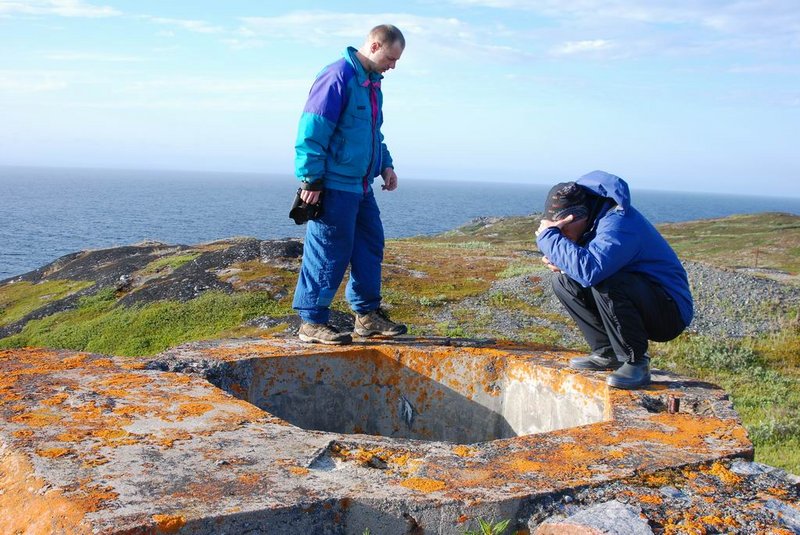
302,211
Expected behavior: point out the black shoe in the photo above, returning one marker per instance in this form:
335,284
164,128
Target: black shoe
595,362
631,375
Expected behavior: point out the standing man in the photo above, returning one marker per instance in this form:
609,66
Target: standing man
339,152
618,277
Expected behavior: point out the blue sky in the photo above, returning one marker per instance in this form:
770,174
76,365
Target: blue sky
685,95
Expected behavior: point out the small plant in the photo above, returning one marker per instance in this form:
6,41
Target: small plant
517,269
490,528
434,301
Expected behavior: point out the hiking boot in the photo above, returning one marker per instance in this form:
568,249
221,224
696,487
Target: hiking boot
320,333
595,362
631,375
377,322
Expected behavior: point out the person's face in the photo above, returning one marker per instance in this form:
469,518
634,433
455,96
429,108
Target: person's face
575,229
384,57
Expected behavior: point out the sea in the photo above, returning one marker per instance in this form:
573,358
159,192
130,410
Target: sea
46,213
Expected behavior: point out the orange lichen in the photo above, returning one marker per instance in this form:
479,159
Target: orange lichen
91,462
58,399
53,452
651,498
777,492
194,409
724,474
298,470
29,508
423,484
110,434
464,451
719,522
36,419
72,436
22,433
170,437
95,497
169,523
131,410
249,479
73,361
524,465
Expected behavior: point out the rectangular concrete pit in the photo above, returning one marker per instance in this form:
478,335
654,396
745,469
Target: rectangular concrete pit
457,397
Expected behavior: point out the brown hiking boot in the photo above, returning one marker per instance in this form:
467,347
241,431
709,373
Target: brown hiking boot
377,322
319,333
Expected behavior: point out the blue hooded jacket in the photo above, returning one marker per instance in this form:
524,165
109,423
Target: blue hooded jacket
619,239
339,139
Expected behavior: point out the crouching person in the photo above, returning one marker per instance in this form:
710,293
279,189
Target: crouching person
617,276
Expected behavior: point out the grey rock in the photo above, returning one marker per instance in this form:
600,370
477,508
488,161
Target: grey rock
612,518
672,493
745,468
787,515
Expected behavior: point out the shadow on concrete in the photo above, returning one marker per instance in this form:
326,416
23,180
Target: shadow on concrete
363,391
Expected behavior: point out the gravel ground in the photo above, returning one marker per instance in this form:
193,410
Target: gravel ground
728,304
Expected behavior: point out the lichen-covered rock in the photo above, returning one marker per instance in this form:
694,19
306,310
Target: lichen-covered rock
608,518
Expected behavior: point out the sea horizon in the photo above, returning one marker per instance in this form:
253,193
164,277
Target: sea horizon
186,173
47,212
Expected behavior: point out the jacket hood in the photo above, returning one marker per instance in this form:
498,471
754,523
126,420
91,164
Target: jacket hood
607,185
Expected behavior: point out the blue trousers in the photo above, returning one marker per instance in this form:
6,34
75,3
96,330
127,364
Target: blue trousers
349,232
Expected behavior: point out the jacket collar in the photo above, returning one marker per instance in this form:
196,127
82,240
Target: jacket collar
361,75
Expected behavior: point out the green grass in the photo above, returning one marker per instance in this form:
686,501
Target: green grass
97,325
765,392
489,527
21,298
769,240
168,262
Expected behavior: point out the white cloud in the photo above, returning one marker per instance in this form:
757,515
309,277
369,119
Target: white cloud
769,25
63,8
582,47
198,26
25,82
91,56
182,85
770,68
444,37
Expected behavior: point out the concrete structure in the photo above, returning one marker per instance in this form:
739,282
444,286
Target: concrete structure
273,436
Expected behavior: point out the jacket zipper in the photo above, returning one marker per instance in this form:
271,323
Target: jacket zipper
374,113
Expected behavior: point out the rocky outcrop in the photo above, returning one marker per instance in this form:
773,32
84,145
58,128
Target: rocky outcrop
140,274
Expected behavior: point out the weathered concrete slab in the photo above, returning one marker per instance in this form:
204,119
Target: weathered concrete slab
113,445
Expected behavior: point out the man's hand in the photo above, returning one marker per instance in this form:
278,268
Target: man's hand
550,266
547,223
389,179
309,197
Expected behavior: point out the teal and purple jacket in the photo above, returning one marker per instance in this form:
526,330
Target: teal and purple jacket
339,138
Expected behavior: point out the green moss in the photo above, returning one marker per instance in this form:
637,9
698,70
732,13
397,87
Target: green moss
457,245
98,325
170,263
521,268
766,397
21,298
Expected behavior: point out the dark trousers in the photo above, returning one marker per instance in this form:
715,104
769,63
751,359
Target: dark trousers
619,315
